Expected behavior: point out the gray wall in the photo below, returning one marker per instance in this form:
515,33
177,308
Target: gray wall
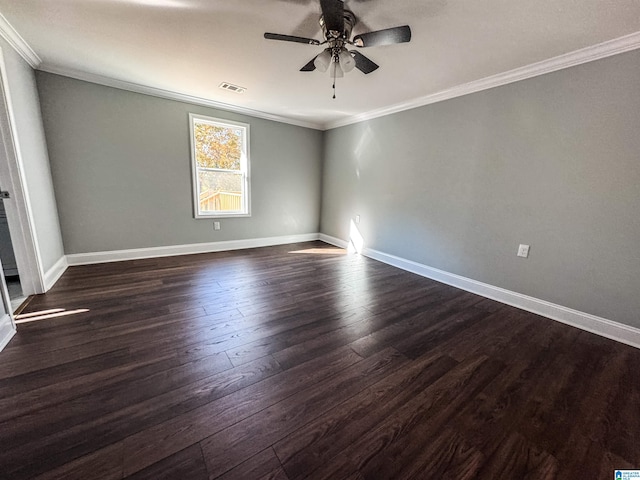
122,174
553,162
33,147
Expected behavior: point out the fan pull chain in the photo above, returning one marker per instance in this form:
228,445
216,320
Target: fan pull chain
335,67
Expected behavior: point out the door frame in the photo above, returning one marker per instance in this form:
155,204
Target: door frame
7,329
18,207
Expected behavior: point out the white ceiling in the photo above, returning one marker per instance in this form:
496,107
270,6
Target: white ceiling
191,46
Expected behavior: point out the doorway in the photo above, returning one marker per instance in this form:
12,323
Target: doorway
19,255
9,264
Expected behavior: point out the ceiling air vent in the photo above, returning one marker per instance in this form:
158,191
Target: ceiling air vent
231,87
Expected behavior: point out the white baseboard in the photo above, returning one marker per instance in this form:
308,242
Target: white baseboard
585,321
54,273
333,240
7,331
172,250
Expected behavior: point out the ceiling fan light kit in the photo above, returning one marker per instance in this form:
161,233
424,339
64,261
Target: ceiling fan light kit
322,61
347,62
336,24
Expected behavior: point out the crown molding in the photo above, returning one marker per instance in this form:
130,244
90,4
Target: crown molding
585,55
567,60
172,95
18,43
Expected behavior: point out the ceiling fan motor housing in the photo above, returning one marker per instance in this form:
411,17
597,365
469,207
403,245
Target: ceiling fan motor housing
349,22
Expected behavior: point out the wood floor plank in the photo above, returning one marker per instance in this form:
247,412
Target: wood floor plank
406,456
326,322
424,314
609,463
105,464
47,377
556,410
63,445
121,376
581,452
229,447
622,416
318,441
133,339
442,397
497,409
345,333
515,457
131,323
446,326
66,430
447,456
302,361
186,464
164,439
262,465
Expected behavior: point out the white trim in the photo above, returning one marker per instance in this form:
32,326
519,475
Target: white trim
588,54
18,43
172,95
7,331
20,213
54,273
333,240
567,60
171,250
584,321
7,323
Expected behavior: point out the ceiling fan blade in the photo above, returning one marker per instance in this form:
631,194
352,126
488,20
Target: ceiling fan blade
333,13
291,38
363,63
309,67
388,36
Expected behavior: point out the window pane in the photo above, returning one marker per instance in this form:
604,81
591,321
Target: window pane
217,146
220,191
220,167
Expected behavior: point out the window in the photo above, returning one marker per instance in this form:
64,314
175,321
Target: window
220,165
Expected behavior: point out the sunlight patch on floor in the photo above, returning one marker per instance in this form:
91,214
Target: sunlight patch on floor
47,314
322,251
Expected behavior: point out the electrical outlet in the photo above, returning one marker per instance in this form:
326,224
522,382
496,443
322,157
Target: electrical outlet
216,225
357,219
523,251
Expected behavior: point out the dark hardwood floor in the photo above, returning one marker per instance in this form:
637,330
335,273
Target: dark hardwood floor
299,361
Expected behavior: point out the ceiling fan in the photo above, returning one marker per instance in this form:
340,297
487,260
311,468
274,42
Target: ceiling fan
337,23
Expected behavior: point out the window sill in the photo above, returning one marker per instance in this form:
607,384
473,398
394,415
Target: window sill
221,215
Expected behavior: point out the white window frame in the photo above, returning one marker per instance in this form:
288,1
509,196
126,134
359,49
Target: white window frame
245,166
